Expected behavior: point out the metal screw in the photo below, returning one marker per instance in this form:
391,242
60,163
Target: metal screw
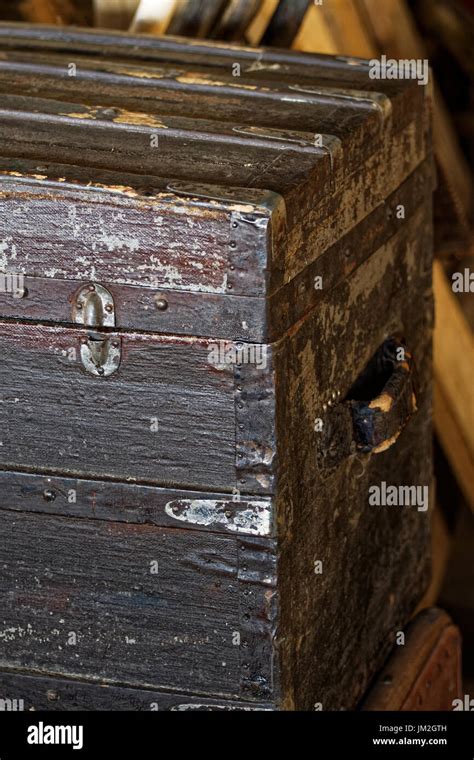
49,495
161,303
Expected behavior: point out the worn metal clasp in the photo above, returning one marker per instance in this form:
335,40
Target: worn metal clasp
94,307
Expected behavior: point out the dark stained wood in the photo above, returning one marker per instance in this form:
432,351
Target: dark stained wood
173,627
202,313
235,18
329,654
53,693
75,423
285,23
232,513
111,139
322,250
195,18
129,235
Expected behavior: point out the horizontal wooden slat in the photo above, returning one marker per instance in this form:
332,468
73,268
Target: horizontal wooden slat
228,513
137,605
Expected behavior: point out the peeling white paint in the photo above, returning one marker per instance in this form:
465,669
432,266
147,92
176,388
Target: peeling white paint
252,517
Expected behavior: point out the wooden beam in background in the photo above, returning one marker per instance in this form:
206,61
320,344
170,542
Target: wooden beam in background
59,12
454,389
114,14
454,445
235,19
285,23
397,36
195,18
152,17
259,24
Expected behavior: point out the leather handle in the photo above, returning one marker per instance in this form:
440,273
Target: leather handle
378,421
376,409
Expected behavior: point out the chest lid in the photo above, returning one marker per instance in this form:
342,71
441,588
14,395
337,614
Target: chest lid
194,181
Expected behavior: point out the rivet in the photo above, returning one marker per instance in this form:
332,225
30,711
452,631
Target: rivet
52,695
175,509
100,370
91,288
229,286
83,341
161,303
116,343
79,305
21,293
234,225
334,395
228,513
232,268
109,307
233,244
49,495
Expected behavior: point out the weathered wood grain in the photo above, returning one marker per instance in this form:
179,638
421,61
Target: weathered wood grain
130,235
111,139
61,694
72,422
132,625
374,559
230,513
276,210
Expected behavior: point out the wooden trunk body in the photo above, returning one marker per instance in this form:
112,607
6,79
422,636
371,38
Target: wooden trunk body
194,532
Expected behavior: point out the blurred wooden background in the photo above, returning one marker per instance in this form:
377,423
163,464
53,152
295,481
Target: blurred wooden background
443,32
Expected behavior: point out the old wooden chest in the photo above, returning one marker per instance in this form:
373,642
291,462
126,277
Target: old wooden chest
215,337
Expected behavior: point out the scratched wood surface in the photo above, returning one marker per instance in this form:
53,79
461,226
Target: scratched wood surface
136,622
53,693
230,222
68,425
375,560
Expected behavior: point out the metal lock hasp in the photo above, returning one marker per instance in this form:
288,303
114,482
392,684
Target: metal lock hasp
94,308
